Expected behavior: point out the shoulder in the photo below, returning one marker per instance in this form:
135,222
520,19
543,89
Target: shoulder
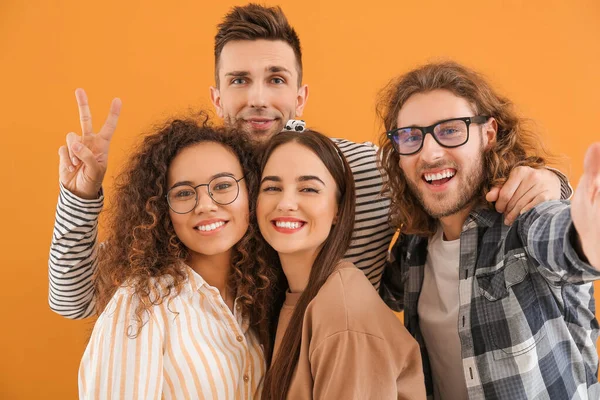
155,297
534,221
551,207
357,153
345,144
349,302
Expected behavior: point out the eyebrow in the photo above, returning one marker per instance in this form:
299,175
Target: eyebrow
238,73
278,68
190,183
270,68
303,178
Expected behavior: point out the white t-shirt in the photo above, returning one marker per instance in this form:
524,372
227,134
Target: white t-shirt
438,317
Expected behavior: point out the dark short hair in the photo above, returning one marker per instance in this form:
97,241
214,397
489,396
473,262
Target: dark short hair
254,22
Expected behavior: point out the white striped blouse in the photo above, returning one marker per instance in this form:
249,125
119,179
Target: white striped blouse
190,347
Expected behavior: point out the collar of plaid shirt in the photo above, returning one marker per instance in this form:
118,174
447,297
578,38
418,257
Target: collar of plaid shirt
526,321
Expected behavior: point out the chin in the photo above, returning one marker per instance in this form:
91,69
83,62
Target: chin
285,248
218,248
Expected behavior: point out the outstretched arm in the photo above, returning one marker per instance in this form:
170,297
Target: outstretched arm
564,238
585,208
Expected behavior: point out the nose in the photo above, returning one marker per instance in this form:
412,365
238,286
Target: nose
431,150
205,202
257,96
288,201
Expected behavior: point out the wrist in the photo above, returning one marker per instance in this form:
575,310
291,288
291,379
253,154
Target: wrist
85,195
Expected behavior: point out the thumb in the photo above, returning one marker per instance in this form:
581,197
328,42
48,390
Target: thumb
493,194
591,163
591,170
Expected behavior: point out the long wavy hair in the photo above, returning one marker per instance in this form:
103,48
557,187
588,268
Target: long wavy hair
279,376
516,145
142,250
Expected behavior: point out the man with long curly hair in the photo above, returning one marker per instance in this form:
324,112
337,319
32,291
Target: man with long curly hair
258,87
499,311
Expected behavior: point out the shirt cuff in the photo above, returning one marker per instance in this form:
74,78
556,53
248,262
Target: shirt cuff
574,257
80,202
566,191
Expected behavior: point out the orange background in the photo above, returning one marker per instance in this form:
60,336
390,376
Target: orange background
157,57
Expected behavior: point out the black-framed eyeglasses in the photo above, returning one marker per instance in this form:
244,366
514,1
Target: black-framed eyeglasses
453,132
223,190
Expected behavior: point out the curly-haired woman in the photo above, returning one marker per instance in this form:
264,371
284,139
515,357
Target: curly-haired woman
182,298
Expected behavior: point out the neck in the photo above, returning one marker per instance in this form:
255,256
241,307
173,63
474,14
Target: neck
452,224
213,269
297,267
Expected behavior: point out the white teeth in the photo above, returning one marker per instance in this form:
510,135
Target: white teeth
440,175
287,224
210,227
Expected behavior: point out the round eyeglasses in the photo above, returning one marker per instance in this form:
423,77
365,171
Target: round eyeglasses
448,133
222,190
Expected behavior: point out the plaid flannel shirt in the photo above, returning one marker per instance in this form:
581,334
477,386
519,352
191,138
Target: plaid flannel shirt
526,322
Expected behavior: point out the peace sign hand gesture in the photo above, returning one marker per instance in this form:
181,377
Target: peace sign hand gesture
84,159
585,206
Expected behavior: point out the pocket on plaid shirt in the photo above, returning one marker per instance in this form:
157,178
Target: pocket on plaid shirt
513,316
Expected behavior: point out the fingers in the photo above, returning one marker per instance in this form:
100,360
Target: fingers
492,195
523,186
591,162
539,198
65,166
73,138
591,171
522,196
526,203
85,116
509,188
86,156
110,124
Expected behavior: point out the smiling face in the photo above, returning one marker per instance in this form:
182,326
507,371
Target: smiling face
445,180
297,201
209,229
258,87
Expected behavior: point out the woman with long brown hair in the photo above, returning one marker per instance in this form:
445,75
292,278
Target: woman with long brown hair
182,298
335,338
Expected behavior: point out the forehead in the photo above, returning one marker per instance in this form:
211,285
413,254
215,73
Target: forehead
199,162
256,56
292,160
424,109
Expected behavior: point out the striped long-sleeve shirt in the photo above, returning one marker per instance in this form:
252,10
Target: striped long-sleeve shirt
73,254
189,347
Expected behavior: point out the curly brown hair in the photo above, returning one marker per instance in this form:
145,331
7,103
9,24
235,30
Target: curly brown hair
516,145
142,248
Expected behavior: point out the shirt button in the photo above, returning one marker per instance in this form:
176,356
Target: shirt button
239,338
246,378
